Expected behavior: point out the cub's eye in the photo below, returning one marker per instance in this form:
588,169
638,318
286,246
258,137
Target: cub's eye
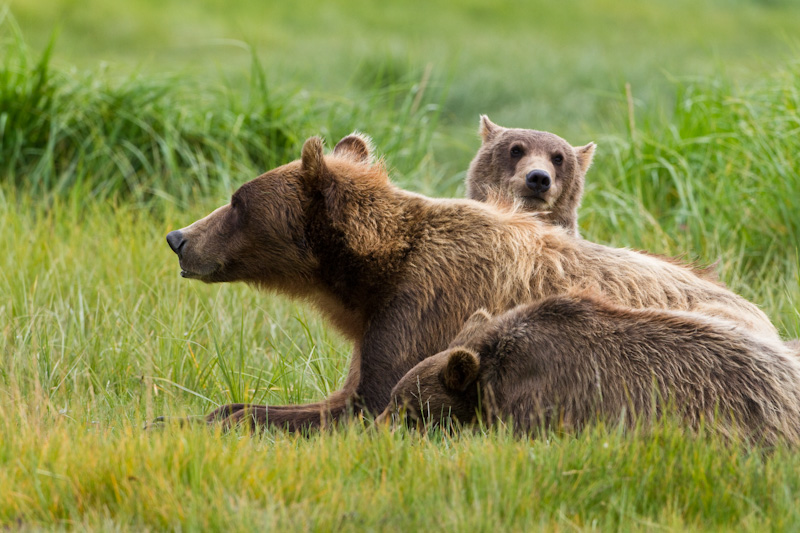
234,203
557,160
516,151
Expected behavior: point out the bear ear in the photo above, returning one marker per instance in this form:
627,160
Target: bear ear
313,160
488,129
585,155
356,147
461,369
473,324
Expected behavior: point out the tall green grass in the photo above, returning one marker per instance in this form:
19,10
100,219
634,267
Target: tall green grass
95,135
721,163
713,179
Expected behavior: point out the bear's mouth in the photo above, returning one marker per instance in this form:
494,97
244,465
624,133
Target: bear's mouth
208,274
534,199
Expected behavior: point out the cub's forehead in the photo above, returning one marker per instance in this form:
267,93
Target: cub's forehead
532,139
427,368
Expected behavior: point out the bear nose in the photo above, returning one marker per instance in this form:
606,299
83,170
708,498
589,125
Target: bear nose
176,241
538,180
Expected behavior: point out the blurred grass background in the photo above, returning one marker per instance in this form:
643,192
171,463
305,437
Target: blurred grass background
563,63
122,121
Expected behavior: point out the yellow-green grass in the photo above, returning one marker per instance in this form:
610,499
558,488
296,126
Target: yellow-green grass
100,475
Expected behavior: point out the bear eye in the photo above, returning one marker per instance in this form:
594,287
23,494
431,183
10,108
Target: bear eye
557,160
516,151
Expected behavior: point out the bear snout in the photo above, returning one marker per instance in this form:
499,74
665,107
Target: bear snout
176,241
538,180
385,418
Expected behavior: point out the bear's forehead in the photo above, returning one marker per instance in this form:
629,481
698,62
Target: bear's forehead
427,368
286,175
533,139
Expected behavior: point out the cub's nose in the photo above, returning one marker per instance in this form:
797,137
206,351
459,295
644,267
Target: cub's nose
538,180
176,241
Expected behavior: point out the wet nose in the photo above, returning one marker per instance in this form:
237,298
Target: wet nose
538,180
176,241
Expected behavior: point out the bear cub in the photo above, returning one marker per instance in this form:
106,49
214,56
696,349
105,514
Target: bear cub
539,170
566,361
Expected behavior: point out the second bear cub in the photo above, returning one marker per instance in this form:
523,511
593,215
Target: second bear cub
568,360
540,170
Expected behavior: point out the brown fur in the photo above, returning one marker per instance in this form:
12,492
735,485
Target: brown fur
568,360
399,273
507,155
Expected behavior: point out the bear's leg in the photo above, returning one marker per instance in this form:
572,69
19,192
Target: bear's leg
292,417
289,417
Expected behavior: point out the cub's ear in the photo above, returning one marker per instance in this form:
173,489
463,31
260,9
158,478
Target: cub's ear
313,161
471,327
356,147
585,155
461,369
488,129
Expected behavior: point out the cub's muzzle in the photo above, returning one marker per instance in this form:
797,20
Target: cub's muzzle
538,180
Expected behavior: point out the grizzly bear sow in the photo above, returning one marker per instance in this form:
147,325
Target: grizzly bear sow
399,273
566,361
539,170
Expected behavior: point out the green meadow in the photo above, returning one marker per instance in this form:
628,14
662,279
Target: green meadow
121,121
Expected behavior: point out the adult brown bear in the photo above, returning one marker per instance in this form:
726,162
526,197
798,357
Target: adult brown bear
399,273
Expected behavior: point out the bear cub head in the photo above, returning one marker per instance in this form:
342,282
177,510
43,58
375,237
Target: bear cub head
445,385
539,170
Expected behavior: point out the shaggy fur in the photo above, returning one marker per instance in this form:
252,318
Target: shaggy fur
399,273
568,360
507,156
